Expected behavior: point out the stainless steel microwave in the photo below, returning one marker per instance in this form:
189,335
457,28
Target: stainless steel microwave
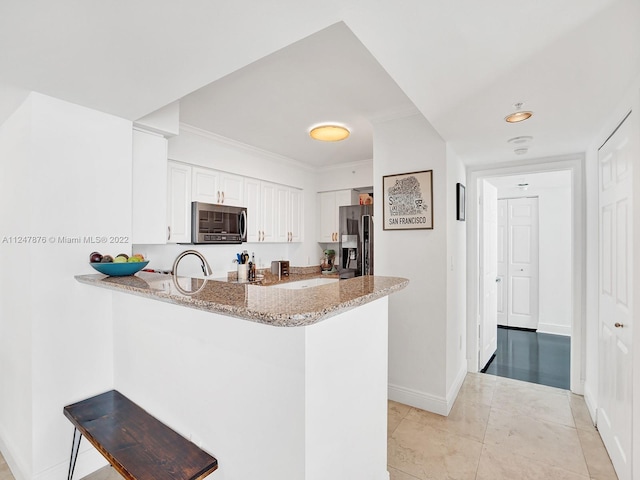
218,223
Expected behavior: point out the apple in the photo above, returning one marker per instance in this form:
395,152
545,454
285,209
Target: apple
95,257
120,259
107,259
134,259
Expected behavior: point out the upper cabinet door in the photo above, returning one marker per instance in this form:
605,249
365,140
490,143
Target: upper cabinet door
329,204
252,201
269,214
282,214
179,203
149,202
232,190
296,207
205,185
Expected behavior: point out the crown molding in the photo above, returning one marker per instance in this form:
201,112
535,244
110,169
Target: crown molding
185,127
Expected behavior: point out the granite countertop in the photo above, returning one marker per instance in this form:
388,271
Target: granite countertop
257,302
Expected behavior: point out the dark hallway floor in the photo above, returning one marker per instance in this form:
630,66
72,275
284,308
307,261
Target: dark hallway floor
532,357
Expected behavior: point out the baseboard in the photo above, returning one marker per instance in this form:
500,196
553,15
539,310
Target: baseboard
88,462
554,329
452,394
592,403
418,399
19,471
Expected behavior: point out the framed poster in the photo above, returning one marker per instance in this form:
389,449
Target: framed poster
408,201
460,202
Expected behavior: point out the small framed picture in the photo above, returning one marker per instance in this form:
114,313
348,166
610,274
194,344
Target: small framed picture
408,201
460,202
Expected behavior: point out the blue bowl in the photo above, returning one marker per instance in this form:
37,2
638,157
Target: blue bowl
119,269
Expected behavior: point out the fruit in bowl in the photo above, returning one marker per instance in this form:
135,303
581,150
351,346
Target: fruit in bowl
119,266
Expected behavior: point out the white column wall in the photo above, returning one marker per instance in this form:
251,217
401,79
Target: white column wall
16,420
418,313
74,172
456,282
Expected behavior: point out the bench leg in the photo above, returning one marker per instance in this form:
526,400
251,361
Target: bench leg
75,446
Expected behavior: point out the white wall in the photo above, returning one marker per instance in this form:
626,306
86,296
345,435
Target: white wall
417,314
344,177
73,179
15,326
456,280
555,230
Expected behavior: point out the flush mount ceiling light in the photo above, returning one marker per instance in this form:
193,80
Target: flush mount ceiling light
329,133
518,115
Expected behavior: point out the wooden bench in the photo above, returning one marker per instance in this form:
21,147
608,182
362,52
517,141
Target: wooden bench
137,445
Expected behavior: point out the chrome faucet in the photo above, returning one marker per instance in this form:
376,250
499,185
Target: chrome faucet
206,269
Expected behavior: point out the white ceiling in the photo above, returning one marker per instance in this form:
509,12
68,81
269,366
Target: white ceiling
462,63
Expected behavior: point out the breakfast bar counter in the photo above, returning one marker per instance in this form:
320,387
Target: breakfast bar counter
306,402
263,302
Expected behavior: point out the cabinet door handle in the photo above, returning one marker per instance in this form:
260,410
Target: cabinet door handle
222,196
169,232
218,193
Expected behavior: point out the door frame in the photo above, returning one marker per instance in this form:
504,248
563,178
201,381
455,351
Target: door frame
576,165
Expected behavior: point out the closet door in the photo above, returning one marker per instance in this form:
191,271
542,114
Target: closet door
502,281
615,411
522,218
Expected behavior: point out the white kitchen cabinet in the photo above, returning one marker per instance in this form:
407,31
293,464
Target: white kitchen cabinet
178,201
274,212
212,186
282,214
205,185
268,194
263,216
296,209
149,202
329,204
232,189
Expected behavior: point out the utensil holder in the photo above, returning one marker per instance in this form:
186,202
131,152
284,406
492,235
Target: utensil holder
243,272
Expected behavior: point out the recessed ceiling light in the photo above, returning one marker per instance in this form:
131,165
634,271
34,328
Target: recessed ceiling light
329,133
521,151
523,186
520,140
518,115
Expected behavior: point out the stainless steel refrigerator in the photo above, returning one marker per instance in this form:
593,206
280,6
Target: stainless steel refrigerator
356,241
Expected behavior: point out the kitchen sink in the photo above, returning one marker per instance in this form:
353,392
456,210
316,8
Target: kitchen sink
312,282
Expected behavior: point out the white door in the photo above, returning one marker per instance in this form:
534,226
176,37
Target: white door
522,268
488,267
501,278
616,309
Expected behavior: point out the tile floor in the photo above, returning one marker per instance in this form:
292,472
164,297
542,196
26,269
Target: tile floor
499,428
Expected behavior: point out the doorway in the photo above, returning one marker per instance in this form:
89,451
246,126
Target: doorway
560,311
532,279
